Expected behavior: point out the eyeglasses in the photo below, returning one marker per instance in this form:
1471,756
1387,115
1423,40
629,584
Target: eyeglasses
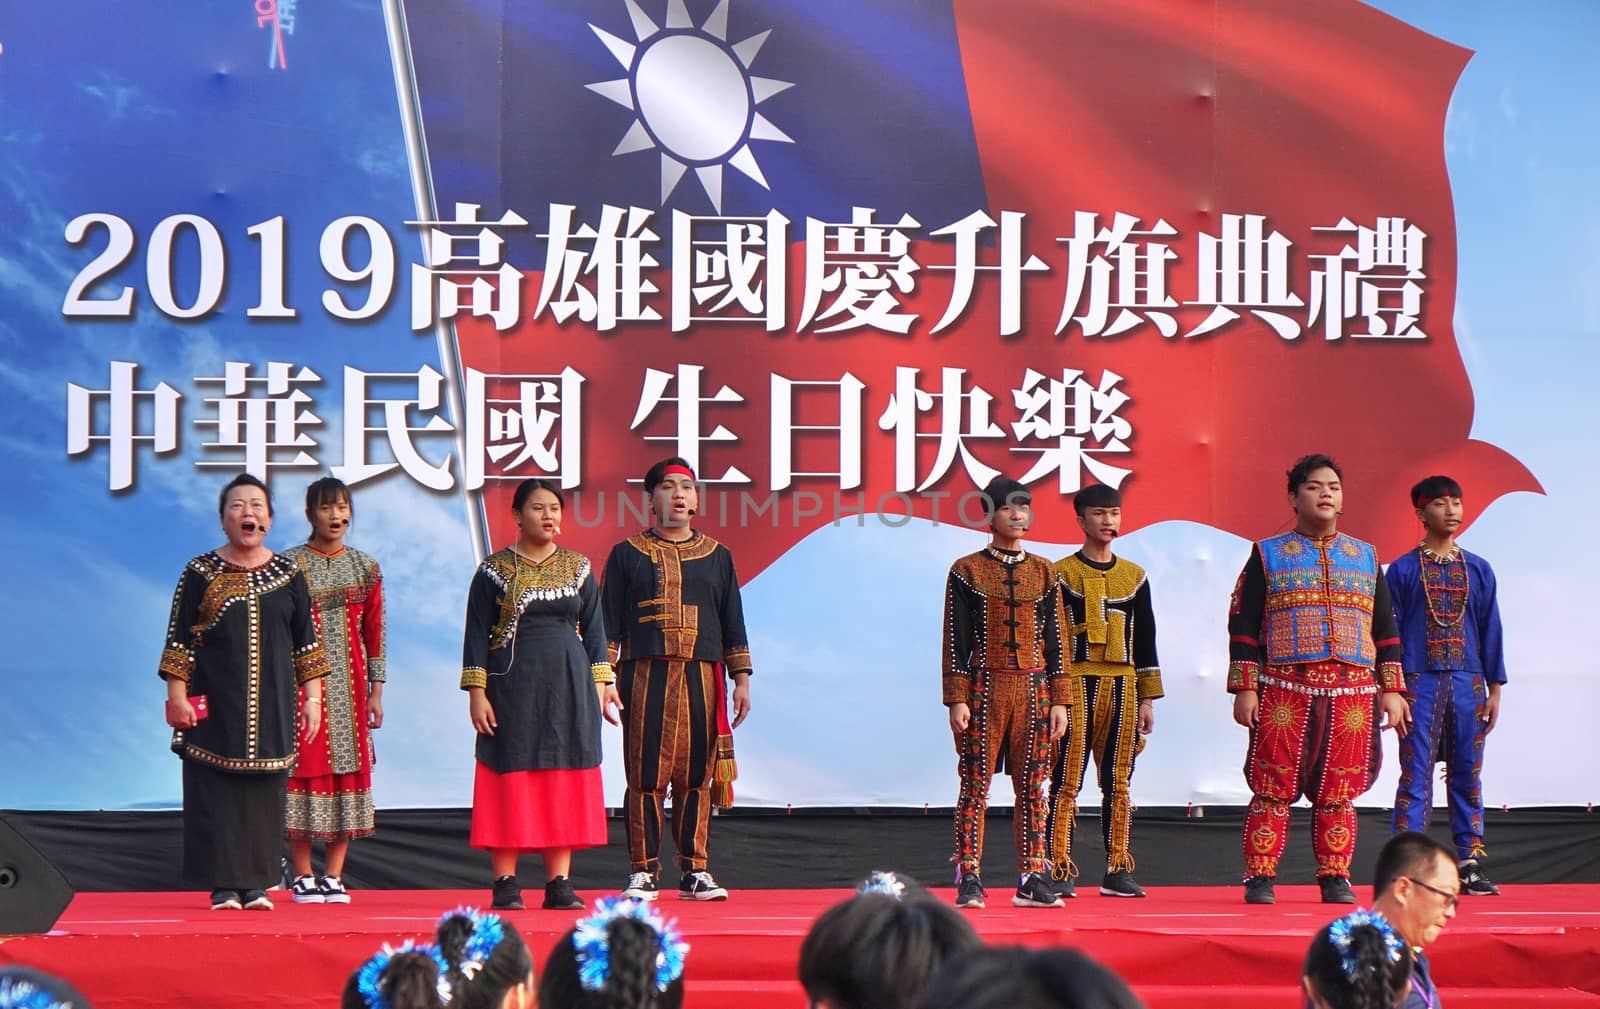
1450,899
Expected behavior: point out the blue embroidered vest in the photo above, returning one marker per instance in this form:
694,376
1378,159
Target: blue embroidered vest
1319,600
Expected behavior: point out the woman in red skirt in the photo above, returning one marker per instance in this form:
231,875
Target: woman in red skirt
330,791
535,668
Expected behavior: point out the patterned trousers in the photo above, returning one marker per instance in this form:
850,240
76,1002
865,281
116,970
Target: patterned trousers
1105,722
1317,736
1447,724
1010,721
668,742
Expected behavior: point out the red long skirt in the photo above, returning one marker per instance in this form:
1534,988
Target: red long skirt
537,810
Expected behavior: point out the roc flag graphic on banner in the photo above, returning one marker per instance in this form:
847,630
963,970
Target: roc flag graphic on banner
853,257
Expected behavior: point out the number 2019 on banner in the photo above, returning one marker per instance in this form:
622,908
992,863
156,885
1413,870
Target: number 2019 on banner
378,273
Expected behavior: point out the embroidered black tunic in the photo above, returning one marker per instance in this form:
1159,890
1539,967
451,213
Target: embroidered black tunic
244,638
675,599
536,642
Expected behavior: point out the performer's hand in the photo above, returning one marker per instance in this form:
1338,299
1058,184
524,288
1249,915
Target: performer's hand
610,703
375,706
1396,713
1058,721
311,717
482,711
741,699
960,717
1147,716
1247,708
1491,709
180,713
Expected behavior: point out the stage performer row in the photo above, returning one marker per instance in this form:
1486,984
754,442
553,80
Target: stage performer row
1044,666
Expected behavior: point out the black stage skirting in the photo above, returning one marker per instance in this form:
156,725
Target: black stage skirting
772,848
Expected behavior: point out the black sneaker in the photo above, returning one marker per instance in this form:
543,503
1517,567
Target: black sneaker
641,886
1258,890
969,892
1064,887
1035,891
1475,882
507,894
1120,884
306,891
699,885
256,900
226,900
1336,890
559,895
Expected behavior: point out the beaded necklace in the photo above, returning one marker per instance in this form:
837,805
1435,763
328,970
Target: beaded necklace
1443,562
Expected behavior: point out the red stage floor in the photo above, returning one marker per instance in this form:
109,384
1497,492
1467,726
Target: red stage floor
1186,946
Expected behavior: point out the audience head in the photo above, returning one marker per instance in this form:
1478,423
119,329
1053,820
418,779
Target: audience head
1010,977
23,988
406,978
485,962
1416,885
623,956
878,949
1357,962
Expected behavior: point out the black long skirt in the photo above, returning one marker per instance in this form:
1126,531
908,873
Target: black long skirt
232,827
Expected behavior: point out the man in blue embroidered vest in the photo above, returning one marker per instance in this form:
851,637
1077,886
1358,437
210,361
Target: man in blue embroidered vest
1314,656
1414,885
1444,603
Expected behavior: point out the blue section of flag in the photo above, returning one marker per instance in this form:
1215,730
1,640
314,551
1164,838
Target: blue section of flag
878,110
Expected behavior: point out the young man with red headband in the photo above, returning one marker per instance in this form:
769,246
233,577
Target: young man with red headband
1314,657
670,600
1444,602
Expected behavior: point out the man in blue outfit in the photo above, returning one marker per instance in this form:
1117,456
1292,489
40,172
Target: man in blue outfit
1444,604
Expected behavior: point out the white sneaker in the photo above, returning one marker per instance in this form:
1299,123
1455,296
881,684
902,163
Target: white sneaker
333,891
306,891
641,886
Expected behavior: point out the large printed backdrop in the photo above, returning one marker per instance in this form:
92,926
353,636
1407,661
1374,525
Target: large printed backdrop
852,258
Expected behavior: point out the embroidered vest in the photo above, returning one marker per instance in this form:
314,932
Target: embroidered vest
1319,600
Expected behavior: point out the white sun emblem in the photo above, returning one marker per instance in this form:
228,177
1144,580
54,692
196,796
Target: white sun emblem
693,95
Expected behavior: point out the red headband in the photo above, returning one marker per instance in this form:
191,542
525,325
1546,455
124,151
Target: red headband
677,469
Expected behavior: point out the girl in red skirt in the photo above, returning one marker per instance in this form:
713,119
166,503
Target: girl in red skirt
330,791
535,668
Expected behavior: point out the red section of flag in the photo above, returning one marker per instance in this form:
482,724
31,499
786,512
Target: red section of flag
1308,113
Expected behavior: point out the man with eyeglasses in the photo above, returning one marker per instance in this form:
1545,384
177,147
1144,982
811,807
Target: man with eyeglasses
1416,886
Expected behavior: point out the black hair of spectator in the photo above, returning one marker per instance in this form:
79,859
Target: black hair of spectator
1409,853
878,951
1011,977
1377,981
632,946
409,981
508,964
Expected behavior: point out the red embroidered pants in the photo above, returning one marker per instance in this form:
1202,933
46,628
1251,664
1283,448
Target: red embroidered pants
1317,736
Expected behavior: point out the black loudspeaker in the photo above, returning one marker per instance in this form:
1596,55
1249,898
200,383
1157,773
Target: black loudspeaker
33,893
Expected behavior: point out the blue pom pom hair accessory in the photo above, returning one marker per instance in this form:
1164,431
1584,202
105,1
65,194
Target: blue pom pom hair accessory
885,883
487,932
15,993
1340,934
369,978
592,945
